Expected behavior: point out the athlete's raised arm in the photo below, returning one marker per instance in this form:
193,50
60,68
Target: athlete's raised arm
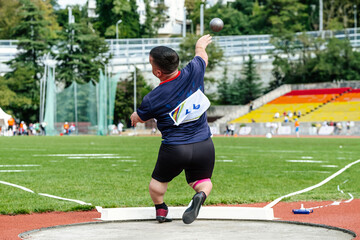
200,47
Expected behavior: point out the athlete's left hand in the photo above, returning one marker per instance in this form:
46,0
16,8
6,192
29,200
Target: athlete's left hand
135,119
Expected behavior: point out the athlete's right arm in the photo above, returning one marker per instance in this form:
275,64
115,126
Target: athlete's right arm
200,47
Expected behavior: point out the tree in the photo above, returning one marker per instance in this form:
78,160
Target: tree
187,52
81,52
155,18
124,100
224,89
313,62
9,18
243,89
251,85
35,40
339,14
111,11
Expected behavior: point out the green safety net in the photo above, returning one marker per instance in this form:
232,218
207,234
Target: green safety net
90,107
50,105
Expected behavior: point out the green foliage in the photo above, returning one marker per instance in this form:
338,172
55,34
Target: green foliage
315,63
251,85
35,40
155,18
124,99
9,18
80,53
111,11
243,89
224,89
339,14
187,52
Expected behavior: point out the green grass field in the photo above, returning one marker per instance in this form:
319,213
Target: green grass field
247,170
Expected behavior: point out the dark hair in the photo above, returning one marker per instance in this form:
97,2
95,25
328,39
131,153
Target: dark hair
165,58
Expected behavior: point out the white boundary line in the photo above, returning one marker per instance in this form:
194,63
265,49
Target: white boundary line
44,194
276,201
17,186
66,199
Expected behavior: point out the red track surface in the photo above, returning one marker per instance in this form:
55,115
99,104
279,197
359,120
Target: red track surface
345,215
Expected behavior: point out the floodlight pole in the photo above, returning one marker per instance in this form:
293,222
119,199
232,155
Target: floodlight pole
105,107
184,23
201,19
42,89
134,87
134,93
117,36
321,18
355,26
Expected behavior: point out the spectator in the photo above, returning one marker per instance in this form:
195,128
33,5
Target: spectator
11,123
348,127
66,128
227,131
339,127
21,128
251,106
232,129
120,127
72,128
43,128
37,128
25,128
290,114
297,127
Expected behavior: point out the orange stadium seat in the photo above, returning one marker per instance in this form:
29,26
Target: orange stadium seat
336,104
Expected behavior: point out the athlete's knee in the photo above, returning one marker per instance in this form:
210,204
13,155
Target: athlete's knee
195,183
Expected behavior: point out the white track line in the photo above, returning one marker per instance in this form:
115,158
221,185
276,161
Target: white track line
17,186
276,201
25,165
304,161
336,203
66,199
81,155
97,157
44,194
351,198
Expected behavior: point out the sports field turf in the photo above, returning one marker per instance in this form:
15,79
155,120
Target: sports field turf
247,170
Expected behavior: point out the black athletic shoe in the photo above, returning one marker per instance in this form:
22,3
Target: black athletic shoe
161,216
192,211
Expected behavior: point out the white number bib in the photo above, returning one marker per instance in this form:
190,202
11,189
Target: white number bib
190,109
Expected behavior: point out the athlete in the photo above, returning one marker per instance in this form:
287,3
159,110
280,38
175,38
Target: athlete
179,106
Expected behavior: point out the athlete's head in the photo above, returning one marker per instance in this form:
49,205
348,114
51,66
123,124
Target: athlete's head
164,60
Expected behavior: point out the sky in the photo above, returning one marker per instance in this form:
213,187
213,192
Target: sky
63,3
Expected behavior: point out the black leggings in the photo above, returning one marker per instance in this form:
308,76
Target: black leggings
197,159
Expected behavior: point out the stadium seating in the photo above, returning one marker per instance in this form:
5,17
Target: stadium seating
344,108
313,104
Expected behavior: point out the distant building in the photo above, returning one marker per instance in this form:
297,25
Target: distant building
174,15
92,8
211,3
